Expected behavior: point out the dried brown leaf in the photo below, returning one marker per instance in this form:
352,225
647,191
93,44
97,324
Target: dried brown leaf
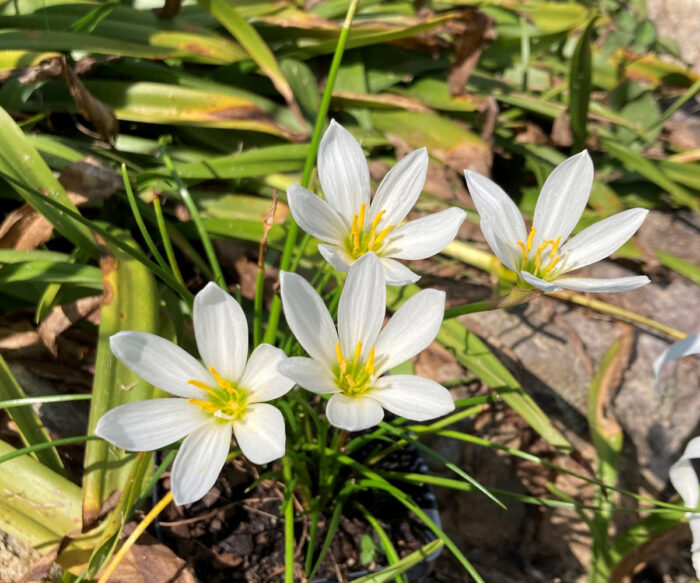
101,115
562,135
472,34
88,179
63,317
24,228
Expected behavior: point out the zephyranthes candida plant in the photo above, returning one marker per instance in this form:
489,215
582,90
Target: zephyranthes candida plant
542,257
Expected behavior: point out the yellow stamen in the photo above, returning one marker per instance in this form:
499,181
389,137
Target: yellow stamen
555,246
341,361
377,219
358,350
522,248
199,385
361,220
350,380
540,249
355,234
369,365
223,383
552,264
206,406
530,237
383,234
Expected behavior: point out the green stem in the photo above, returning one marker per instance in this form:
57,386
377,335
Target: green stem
290,242
139,220
167,245
194,213
45,399
288,524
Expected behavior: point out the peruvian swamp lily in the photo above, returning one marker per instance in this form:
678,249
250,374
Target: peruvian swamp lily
352,226
228,395
542,256
348,363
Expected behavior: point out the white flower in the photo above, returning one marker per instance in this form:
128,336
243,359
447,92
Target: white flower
685,347
352,226
685,481
230,395
542,256
349,363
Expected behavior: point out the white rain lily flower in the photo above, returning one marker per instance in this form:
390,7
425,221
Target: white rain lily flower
685,347
229,395
352,226
542,256
349,363
685,481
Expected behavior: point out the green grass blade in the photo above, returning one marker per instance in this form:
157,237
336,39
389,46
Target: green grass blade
403,565
131,303
580,86
28,423
20,162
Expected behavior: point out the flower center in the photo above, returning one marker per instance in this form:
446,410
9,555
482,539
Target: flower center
227,401
363,240
542,263
354,377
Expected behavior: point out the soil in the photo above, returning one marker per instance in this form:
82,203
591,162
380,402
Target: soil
235,533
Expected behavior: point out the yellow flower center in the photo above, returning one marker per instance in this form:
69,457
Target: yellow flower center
227,401
354,377
363,240
534,264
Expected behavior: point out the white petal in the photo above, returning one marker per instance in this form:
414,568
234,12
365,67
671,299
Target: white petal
343,172
413,397
262,377
694,523
199,461
683,476
414,325
602,239
160,363
562,200
308,318
507,254
362,305
400,188
496,208
685,347
309,374
545,286
397,273
353,413
221,331
616,284
260,434
426,236
339,259
316,216
149,425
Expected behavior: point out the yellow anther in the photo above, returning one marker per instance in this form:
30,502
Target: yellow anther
522,248
383,234
223,383
377,219
552,264
358,350
361,220
206,406
350,380
355,234
555,246
541,248
369,365
530,237
199,385
341,361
